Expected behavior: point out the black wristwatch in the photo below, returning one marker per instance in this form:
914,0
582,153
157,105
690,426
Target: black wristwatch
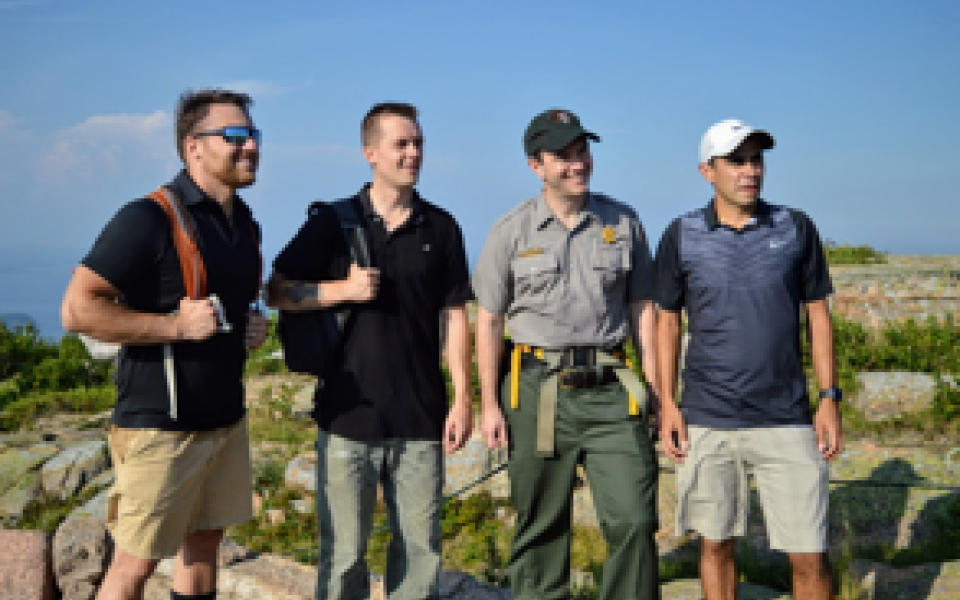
833,393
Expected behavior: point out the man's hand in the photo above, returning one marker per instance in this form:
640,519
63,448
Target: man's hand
673,433
196,319
256,332
458,427
362,283
493,427
829,430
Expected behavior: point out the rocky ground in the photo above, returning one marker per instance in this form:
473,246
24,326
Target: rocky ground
907,286
896,498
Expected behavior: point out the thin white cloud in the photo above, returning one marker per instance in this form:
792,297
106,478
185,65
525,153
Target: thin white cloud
107,144
258,87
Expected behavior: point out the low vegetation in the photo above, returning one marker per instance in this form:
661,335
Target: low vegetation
39,377
848,254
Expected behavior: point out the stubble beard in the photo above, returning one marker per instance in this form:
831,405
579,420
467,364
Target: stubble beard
236,178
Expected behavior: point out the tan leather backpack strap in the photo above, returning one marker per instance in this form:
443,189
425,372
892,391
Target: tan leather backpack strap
185,242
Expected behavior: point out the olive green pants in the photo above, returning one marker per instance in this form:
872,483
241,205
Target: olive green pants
592,428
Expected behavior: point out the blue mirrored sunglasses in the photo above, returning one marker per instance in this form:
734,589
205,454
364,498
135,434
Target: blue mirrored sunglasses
233,134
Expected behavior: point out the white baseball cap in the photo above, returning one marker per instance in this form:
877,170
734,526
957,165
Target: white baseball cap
724,137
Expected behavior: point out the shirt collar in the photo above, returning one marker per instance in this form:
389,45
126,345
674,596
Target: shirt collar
188,192
761,216
366,204
542,213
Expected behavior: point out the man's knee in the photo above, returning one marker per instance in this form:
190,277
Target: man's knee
132,570
716,549
809,565
201,545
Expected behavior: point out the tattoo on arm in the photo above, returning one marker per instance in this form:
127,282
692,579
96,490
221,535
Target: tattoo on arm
299,292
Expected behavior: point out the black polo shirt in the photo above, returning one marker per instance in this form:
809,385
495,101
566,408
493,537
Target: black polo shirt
387,382
136,254
742,290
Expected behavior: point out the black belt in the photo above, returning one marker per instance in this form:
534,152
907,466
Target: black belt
578,366
578,379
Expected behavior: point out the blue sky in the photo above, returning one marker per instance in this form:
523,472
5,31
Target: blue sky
862,96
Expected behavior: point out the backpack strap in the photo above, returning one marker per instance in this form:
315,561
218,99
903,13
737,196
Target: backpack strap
352,226
185,240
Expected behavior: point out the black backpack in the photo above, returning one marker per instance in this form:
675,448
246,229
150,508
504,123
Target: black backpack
311,338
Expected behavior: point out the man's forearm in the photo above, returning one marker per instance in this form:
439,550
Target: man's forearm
293,295
457,351
489,345
668,351
645,332
89,307
821,343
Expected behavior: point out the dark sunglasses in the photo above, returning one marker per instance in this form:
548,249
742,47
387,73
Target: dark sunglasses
738,160
233,134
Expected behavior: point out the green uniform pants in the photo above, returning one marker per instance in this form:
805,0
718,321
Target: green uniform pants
593,428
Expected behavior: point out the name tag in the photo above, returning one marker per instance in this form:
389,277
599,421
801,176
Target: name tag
531,252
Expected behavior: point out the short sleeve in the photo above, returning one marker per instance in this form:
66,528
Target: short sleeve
491,278
130,244
456,290
815,273
318,251
668,278
641,276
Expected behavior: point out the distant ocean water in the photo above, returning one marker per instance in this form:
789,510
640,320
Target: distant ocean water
32,285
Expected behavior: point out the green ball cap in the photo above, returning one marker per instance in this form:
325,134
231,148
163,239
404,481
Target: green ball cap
553,130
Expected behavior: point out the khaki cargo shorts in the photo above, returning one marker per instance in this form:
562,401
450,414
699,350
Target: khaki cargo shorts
170,484
791,476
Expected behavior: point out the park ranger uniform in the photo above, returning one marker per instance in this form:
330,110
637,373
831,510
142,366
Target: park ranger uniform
565,296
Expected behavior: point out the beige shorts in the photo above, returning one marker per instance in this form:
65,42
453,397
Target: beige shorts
791,476
170,484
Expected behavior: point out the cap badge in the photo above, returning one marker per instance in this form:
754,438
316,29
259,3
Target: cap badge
609,234
561,116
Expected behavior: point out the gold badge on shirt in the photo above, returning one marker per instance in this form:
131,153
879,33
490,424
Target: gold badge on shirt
531,252
609,234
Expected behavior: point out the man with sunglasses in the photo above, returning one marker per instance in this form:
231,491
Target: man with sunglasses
182,467
383,412
743,270
569,273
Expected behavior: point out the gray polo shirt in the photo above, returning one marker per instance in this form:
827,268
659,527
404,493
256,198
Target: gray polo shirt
559,287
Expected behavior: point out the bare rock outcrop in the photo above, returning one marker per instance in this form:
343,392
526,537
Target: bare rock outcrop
25,572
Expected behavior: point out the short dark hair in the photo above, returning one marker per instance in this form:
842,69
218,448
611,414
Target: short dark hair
194,105
369,127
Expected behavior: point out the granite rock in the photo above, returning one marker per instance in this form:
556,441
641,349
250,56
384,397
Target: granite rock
25,571
884,395
67,473
81,553
301,473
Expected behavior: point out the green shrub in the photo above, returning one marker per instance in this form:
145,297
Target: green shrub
259,361
847,254
931,346
21,411
32,365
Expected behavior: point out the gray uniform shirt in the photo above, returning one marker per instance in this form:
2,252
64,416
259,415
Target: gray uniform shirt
560,287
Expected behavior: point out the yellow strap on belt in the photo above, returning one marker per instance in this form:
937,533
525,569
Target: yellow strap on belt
515,376
632,403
